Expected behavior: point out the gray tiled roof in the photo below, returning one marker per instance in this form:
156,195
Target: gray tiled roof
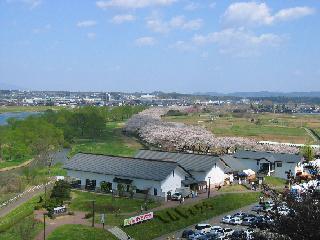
270,156
233,163
121,166
189,161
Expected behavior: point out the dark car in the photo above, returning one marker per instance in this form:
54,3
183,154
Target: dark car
187,233
238,234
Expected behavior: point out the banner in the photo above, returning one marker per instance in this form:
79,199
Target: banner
138,219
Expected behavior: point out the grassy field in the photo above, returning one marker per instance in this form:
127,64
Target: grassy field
79,232
81,201
113,142
23,213
173,219
233,188
4,109
275,181
13,163
272,127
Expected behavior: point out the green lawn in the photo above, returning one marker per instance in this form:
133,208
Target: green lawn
233,188
113,142
275,181
81,201
12,163
27,228
170,220
18,214
79,232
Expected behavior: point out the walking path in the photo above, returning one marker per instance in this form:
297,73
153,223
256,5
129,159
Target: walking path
5,210
26,163
77,218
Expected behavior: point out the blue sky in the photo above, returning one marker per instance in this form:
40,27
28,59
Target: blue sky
168,45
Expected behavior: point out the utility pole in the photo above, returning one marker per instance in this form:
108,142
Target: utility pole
93,211
45,194
44,226
209,187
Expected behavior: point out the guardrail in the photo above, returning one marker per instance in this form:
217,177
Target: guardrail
20,195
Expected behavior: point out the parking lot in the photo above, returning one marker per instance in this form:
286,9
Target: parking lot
216,221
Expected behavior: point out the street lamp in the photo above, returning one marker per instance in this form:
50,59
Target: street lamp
209,187
93,212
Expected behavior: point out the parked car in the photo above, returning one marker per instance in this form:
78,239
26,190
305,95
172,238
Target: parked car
235,221
215,228
249,233
257,208
187,233
226,219
228,231
176,196
238,234
203,228
196,236
240,215
247,221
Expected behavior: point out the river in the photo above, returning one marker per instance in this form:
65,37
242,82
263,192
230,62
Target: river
18,115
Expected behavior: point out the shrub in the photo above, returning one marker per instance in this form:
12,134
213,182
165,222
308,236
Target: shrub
162,218
88,215
182,212
172,216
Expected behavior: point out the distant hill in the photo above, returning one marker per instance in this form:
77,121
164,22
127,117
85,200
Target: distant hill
264,94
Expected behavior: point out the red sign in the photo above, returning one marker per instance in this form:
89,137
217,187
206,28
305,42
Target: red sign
138,219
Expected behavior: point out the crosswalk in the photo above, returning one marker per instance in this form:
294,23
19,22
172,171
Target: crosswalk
121,235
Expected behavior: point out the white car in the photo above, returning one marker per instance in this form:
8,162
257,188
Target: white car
235,221
216,230
226,219
228,231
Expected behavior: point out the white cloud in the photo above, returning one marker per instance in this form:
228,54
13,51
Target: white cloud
293,13
183,46
192,6
86,23
156,24
238,41
254,14
31,3
133,3
118,19
91,35
145,41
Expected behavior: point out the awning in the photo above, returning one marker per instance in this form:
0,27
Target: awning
121,180
193,182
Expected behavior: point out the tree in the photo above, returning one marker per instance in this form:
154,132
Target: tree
61,191
302,222
308,153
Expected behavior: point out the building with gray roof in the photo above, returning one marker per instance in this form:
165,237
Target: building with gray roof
156,176
201,166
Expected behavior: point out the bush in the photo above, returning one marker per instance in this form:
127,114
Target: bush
88,215
162,218
172,216
182,212
70,213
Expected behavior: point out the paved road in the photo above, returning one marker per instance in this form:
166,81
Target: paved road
4,211
215,221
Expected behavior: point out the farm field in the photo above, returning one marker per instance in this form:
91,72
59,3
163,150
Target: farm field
4,109
268,127
113,142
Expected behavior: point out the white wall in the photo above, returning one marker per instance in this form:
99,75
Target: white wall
173,181
216,175
169,184
280,171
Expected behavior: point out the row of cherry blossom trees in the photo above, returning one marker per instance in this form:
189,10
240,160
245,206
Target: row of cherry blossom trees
149,126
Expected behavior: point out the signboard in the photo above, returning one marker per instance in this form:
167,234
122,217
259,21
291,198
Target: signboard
138,219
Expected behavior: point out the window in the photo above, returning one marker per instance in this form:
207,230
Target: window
155,192
279,164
